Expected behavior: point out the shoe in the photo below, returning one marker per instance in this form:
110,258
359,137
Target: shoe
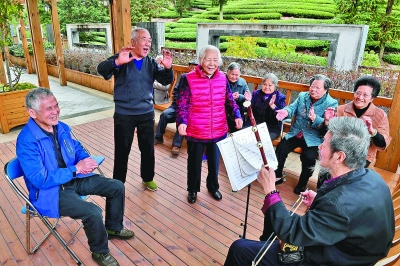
216,195
175,150
123,234
279,180
151,185
297,190
192,197
158,140
104,259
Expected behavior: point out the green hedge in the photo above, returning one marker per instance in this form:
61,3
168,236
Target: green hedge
180,45
312,45
265,16
392,59
292,57
184,30
180,25
181,36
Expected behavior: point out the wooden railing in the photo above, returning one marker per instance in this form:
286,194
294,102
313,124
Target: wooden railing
389,158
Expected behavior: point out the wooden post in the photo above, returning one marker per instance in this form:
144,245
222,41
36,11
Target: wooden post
3,78
114,32
389,160
25,46
121,23
57,41
37,43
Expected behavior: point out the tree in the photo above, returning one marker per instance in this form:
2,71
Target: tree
9,10
383,25
221,4
145,10
182,6
82,11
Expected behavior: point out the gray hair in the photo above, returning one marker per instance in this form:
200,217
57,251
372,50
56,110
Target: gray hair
233,66
273,78
350,135
135,33
34,98
327,81
203,52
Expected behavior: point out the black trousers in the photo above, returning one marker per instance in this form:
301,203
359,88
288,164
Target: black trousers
195,154
307,158
71,205
124,129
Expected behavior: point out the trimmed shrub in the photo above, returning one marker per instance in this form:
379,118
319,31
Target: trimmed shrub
370,59
181,36
392,59
180,45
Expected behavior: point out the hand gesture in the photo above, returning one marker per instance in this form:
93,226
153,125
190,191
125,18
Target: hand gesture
235,95
368,123
167,59
329,113
267,179
308,197
239,123
281,114
312,114
182,129
86,166
123,56
247,95
272,102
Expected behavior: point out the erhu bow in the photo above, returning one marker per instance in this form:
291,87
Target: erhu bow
289,253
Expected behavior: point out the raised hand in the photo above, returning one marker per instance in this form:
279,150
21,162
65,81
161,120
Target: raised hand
272,102
167,59
123,56
281,114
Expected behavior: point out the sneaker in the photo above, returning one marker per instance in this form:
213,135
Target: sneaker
123,234
151,185
158,140
104,259
175,150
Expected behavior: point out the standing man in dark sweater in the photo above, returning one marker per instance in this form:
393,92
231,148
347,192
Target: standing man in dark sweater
134,74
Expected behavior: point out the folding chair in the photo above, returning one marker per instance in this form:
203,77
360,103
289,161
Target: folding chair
13,171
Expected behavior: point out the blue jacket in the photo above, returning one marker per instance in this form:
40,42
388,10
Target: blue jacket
301,108
43,178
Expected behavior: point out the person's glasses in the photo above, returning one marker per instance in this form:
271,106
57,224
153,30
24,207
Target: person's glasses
363,94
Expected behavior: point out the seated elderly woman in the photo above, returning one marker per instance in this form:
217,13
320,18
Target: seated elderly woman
265,103
366,89
305,132
240,92
350,220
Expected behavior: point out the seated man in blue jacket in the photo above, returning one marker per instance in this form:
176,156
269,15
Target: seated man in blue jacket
350,220
58,171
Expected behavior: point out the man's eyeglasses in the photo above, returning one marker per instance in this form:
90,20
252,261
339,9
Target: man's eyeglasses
363,94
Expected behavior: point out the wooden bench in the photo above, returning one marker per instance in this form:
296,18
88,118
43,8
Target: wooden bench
286,87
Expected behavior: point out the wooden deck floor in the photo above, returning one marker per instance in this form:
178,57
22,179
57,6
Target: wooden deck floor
169,230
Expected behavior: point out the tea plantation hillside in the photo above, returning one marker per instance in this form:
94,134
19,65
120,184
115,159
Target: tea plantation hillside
181,32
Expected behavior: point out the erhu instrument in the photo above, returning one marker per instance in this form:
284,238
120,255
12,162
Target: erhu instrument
294,253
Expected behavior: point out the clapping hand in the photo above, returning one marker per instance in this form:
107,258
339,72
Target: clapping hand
368,123
329,113
247,95
308,197
235,95
272,102
312,115
86,166
281,114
